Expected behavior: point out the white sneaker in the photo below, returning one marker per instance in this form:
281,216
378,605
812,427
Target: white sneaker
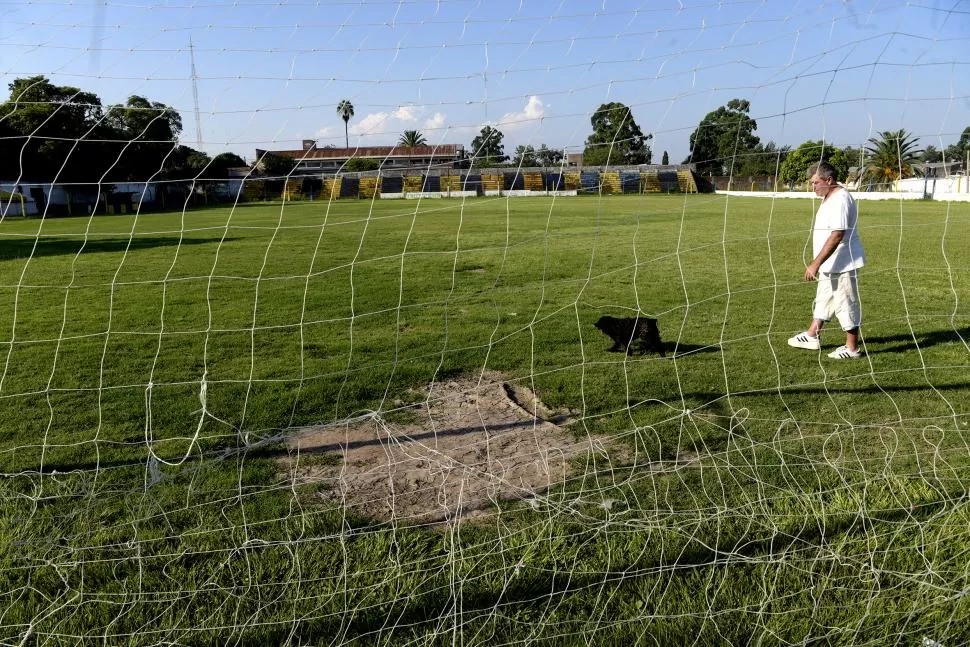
804,340
843,352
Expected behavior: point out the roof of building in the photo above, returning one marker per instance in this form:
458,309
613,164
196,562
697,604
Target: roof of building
442,150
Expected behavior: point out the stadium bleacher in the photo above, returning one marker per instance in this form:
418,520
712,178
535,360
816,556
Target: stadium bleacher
392,184
590,181
432,184
349,187
513,182
553,181
630,181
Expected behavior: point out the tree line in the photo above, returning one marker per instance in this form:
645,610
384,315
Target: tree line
616,140
51,133
724,143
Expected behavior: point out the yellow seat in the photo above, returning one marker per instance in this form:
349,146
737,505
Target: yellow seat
650,182
610,182
331,188
370,187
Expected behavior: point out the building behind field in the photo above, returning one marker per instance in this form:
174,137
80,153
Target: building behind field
312,160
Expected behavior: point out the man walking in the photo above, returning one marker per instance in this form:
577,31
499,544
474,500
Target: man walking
838,256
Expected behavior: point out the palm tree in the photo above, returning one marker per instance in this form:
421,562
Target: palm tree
412,138
891,157
346,110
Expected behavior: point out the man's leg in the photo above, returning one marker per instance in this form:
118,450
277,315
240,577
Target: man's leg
809,339
852,339
815,327
849,313
820,311
849,309
824,303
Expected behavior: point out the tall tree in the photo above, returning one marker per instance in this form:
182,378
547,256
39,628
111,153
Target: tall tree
548,156
892,157
346,110
616,138
812,152
185,163
50,132
665,160
219,167
41,130
150,130
357,164
525,156
487,148
855,157
960,152
275,165
145,120
762,160
412,138
932,154
721,136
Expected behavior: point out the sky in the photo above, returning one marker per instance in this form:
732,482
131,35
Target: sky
270,73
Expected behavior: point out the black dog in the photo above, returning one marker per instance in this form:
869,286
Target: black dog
626,330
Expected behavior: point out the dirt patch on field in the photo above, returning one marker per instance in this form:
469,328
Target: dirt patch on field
469,443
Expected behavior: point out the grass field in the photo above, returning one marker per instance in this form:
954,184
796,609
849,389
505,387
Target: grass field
151,366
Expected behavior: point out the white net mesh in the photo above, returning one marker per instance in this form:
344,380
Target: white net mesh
246,399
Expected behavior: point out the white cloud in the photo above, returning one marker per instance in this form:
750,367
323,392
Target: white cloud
406,113
534,110
394,122
371,124
435,121
323,133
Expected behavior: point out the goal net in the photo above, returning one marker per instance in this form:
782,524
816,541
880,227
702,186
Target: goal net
441,321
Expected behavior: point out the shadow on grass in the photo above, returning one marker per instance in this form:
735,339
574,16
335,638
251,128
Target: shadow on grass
711,404
832,389
25,247
273,450
277,452
526,593
675,349
905,342
679,350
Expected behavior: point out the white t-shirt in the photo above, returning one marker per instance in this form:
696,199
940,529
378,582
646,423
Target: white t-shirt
838,213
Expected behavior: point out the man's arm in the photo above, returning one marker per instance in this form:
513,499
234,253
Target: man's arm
811,272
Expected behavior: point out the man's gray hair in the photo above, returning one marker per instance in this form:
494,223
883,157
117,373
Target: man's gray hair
824,170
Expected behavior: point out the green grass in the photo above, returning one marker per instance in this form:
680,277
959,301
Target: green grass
827,501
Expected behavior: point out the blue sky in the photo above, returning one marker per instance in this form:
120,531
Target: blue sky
270,73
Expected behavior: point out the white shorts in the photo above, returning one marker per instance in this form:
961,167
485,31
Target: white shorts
838,294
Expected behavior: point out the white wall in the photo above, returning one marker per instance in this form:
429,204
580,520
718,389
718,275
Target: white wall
57,195
939,196
12,206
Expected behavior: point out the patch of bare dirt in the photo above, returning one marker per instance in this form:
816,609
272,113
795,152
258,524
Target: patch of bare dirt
472,443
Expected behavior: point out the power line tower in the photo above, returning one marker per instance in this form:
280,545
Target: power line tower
195,98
